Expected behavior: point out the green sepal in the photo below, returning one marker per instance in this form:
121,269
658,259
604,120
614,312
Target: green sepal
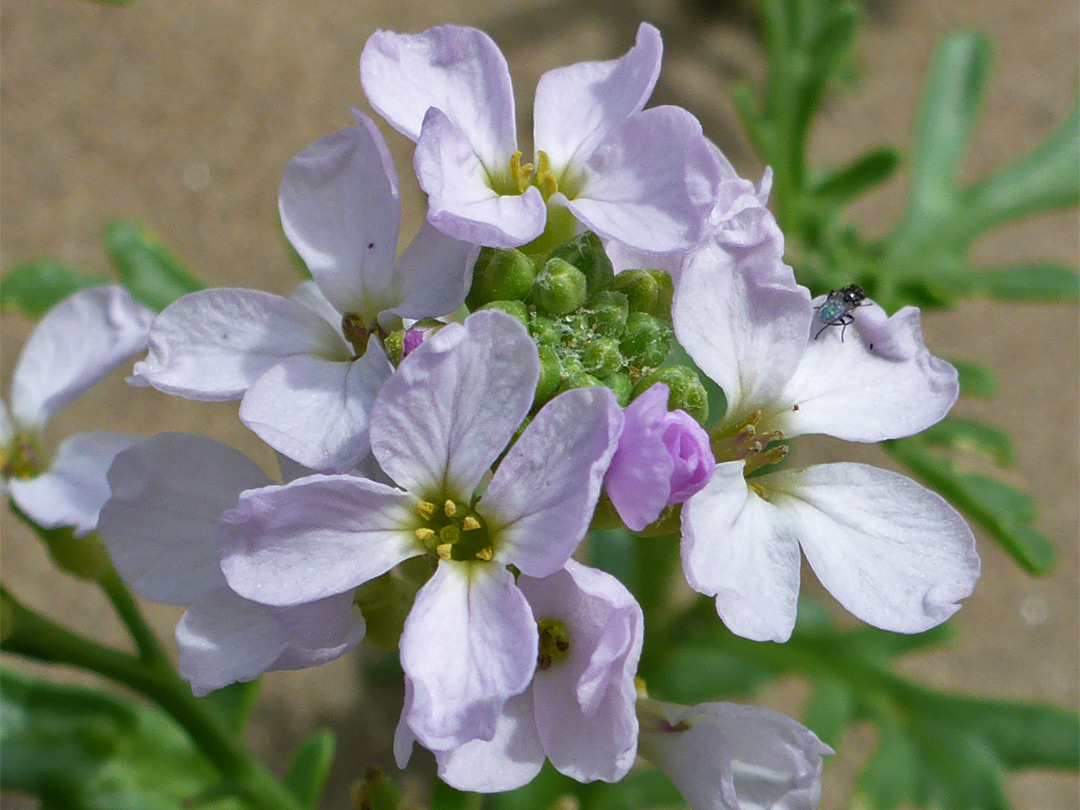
559,288
515,309
586,252
34,288
686,391
500,275
550,376
146,268
306,777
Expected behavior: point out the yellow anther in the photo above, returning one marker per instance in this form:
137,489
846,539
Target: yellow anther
520,174
758,490
450,508
423,535
443,551
426,509
470,523
486,554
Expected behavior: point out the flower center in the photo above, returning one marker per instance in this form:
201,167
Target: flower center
22,458
554,643
453,531
744,441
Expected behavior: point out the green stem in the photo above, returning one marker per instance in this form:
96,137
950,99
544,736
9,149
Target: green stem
128,609
34,636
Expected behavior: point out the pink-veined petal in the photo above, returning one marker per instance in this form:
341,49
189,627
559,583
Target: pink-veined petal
738,548
585,703
75,344
458,70
892,552
163,522
577,106
468,646
744,323
211,345
510,759
75,487
341,209
461,200
315,537
543,494
880,382
433,274
316,411
449,410
633,186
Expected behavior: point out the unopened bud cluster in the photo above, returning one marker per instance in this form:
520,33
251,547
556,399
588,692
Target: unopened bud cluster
591,326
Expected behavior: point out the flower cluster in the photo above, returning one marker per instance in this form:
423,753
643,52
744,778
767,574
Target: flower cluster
440,472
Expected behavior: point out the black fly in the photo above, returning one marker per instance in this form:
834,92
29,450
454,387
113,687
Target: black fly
836,309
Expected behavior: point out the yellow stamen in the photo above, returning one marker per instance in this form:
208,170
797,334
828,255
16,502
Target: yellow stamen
486,554
470,523
426,509
450,508
443,551
423,535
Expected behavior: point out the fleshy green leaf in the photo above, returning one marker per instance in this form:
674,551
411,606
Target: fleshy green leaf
234,703
82,749
976,381
831,708
694,673
858,177
36,287
153,276
891,777
971,437
310,766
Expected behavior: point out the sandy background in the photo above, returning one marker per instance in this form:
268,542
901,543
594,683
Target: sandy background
184,115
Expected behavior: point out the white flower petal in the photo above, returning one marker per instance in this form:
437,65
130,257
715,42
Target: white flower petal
162,524
458,70
433,274
880,382
461,201
468,646
74,488
543,494
449,410
316,411
340,208
634,184
577,106
744,323
739,549
315,537
891,551
213,344
77,343
510,759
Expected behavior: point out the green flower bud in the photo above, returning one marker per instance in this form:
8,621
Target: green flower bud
500,275
546,331
394,343
640,289
687,392
578,380
647,340
571,365
515,308
550,376
586,253
665,289
622,387
601,357
605,313
560,288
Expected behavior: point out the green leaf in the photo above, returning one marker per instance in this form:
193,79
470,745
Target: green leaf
153,276
976,381
234,703
830,45
310,767
1031,282
831,708
891,777
971,437
857,177
694,673
950,101
83,749
36,287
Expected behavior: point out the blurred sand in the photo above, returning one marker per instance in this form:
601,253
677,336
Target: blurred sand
184,115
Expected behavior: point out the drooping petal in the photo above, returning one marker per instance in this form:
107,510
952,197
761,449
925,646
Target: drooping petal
879,382
461,200
543,494
163,522
316,411
320,624
633,186
639,478
736,547
510,759
340,208
585,703
744,323
722,756
74,488
577,106
895,554
315,537
458,70
75,345
211,345
224,639
452,405
433,274
468,646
